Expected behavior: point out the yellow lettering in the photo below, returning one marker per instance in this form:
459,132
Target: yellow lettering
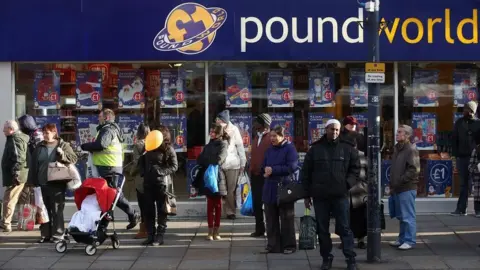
431,23
419,34
474,22
448,33
390,33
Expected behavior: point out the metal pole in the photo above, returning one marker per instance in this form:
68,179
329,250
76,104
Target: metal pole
207,102
374,228
395,96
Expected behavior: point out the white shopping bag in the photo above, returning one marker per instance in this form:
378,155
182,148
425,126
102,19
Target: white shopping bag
92,171
42,210
76,182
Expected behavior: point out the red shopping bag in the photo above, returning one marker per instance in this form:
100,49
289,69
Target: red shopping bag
26,217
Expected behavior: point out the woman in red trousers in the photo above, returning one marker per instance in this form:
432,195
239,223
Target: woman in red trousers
215,153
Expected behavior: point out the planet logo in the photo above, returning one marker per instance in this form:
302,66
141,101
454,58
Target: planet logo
190,28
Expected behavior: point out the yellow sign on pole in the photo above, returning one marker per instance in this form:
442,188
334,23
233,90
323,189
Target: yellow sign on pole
375,67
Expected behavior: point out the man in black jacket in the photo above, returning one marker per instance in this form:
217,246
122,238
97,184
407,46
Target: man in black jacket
330,169
463,144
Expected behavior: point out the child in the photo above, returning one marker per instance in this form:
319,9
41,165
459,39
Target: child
475,173
215,153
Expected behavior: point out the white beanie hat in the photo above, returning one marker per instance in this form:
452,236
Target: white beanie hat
333,121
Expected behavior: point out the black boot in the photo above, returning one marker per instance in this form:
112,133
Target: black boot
351,264
149,241
133,220
327,263
159,240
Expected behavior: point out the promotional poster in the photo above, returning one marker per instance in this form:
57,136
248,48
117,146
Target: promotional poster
243,121
362,121
192,170
153,83
131,89
177,124
316,125
439,174
172,88
425,88
46,90
385,177
129,126
464,86
358,88
89,90
51,119
86,129
285,120
238,88
280,88
424,130
321,88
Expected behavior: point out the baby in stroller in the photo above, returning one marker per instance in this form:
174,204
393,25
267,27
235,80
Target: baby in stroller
96,201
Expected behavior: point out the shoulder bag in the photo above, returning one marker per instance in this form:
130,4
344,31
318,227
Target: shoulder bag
58,171
290,191
170,205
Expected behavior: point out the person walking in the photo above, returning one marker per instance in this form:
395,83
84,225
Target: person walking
259,146
138,150
234,165
463,144
403,187
107,153
157,167
331,167
215,153
14,170
279,167
475,173
51,149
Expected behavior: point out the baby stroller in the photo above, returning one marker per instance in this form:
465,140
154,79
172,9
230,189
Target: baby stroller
107,192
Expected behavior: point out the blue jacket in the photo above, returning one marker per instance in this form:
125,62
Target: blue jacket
283,159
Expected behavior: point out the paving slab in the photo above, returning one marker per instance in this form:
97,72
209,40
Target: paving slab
30,263
204,265
117,265
157,263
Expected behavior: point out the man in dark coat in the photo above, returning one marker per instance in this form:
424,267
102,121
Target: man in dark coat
330,169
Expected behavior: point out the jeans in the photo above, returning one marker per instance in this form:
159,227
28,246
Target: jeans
214,211
53,194
462,165
280,227
257,187
154,197
340,209
405,213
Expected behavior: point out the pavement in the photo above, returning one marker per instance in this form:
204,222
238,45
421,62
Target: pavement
444,242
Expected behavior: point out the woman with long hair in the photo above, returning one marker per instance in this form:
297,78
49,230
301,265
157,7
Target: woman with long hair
215,153
51,149
157,166
138,150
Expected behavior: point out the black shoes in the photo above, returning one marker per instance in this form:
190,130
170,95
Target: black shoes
257,234
327,263
351,266
361,245
458,213
134,221
153,240
231,217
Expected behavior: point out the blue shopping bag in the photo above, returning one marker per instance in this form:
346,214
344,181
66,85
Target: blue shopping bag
247,207
210,178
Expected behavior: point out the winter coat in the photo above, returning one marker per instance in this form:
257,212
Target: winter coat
38,174
214,153
258,153
283,159
357,138
15,159
330,168
138,150
236,152
463,141
359,192
405,168
157,166
29,126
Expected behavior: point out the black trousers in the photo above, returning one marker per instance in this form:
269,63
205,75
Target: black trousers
154,199
280,227
257,183
122,202
53,194
141,204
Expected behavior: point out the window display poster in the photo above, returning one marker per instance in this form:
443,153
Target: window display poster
316,125
86,129
243,121
425,88
177,124
192,170
464,86
153,83
172,89
424,130
46,90
280,88
51,119
89,90
358,88
362,121
385,177
129,126
439,175
321,88
457,116
131,89
237,83
285,120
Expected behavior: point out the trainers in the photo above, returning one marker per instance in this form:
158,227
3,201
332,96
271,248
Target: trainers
405,246
395,243
327,263
458,213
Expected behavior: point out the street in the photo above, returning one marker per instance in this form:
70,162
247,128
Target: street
443,242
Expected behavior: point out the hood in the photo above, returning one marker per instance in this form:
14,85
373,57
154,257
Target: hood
21,136
285,143
340,139
224,116
27,124
115,127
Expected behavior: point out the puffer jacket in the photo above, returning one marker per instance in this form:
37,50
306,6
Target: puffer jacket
359,192
15,159
157,166
236,152
214,153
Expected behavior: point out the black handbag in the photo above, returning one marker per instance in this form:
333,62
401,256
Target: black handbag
291,191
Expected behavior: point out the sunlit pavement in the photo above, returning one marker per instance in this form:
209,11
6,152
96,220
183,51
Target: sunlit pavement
443,242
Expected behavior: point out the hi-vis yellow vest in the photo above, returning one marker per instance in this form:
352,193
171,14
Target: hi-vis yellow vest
112,156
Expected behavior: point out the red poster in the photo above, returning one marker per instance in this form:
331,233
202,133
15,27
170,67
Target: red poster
153,82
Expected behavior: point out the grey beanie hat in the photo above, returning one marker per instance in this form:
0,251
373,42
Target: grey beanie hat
472,105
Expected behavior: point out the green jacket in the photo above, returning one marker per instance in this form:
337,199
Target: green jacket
38,175
138,150
15,158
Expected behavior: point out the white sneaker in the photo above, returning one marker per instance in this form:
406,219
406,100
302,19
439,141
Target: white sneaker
405,246
395,244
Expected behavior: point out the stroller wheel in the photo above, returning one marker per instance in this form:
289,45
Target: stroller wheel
61,247
115,242
90,250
